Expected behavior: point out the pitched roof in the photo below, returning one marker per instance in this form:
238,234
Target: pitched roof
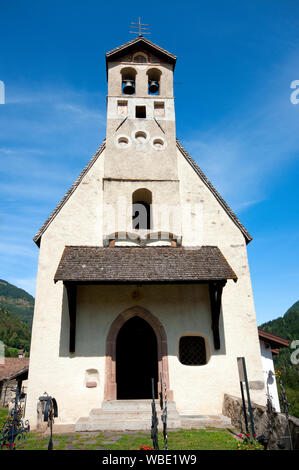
213,190
141,41
189,159
275,341
13,366
146,265
66,197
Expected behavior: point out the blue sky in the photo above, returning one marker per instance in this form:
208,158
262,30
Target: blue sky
236,62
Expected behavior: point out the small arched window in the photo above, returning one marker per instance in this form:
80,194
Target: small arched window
128,80
141,209
154,79
140,58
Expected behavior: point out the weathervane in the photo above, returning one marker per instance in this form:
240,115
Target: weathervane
141,27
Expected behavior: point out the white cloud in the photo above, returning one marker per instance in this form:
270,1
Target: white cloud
37,115
14,249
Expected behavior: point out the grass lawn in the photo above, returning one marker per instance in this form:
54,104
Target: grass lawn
3,415
191,439
194,439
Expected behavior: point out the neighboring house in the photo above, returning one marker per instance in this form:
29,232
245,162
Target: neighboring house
13,374
143,269
270,344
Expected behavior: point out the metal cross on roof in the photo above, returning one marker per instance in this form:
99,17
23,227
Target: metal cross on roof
141,27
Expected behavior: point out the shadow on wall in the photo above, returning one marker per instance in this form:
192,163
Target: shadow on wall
88,334
91,329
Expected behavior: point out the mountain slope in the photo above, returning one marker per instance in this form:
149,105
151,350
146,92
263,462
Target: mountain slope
17,301
14,333
287,327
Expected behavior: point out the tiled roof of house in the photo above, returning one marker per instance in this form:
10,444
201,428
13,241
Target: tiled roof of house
146,265
12,366
213,190
275,341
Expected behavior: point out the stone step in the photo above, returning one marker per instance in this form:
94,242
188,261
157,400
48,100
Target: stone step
120,415
124,405
126,415
86,424
134,415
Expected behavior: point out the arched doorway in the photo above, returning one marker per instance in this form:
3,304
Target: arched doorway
136,360
110,390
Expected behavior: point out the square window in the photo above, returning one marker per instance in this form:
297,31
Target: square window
122,108
159,110
140,111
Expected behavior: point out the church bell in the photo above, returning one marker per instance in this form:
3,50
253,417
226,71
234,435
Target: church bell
153,86
129,87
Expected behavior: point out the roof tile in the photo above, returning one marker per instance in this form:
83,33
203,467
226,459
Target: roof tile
146,265
12,365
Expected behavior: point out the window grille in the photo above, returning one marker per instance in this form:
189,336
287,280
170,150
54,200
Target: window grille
192,351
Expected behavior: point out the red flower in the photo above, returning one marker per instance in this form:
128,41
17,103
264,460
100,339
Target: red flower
146,447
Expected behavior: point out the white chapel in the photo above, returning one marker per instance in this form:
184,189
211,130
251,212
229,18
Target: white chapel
143,269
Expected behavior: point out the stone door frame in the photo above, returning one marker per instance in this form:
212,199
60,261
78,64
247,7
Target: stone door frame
110,392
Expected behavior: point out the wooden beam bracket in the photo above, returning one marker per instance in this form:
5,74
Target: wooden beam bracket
215,289
71,289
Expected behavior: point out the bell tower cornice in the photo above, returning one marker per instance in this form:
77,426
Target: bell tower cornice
143,44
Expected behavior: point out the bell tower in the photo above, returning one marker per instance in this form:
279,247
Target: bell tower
140,140
141,148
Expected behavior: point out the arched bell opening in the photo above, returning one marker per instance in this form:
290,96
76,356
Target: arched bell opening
154,78
128,80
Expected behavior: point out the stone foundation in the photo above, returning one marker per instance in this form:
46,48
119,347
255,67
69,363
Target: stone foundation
232,407
8,393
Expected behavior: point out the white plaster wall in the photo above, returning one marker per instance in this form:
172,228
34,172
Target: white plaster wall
238,313
118,205
140,160
268,365
148,101
78,223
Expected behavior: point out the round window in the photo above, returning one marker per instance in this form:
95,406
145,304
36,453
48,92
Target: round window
158,143
140,137
123,141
